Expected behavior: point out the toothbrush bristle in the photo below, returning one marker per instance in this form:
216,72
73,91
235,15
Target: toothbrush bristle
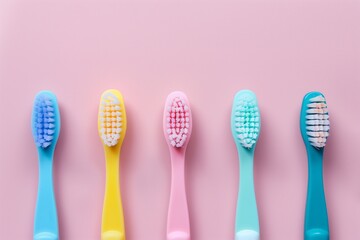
178,120
110,118
44,121
247,121
317,121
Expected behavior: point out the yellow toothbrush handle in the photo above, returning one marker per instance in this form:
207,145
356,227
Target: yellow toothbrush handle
112,218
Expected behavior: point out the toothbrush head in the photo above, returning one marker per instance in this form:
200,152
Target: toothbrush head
45,120
245,119
314,120
112,118
177,120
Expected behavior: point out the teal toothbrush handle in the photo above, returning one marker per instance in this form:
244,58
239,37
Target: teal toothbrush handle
46,222
316,218
247,222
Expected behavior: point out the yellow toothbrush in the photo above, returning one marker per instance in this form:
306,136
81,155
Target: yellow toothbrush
112,129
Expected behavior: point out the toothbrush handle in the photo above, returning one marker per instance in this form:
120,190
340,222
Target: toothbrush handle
247,223
316,219
178,227
112,218
46,222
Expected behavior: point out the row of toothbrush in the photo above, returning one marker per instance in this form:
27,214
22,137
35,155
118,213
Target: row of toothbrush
177,126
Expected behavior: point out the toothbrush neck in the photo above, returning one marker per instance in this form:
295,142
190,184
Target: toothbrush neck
246,213
46,214
112,219
112,165
178,226
316,212
178,170
246,159
316,167
178,162
45,166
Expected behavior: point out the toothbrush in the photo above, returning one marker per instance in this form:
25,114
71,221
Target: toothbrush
177,131
112,129
315,126
245,126
45,129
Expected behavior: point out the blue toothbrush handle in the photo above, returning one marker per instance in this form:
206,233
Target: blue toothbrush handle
316,218
247,222
46,222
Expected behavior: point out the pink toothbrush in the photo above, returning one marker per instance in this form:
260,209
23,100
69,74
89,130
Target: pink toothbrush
177,130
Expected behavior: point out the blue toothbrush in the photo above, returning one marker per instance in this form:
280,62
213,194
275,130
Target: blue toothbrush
45,129
245,126
315,126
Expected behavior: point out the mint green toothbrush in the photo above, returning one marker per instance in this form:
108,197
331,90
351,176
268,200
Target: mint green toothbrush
315,126
245,126
45,125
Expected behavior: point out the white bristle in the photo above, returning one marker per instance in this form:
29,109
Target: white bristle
178,121
110,120
316,116
317,110
318,99
317,123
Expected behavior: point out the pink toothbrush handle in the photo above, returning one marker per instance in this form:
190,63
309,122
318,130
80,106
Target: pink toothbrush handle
178,227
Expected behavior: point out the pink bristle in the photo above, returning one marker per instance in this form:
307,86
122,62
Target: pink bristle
177,121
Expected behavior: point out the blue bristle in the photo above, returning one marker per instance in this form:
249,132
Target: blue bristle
44,121
246,119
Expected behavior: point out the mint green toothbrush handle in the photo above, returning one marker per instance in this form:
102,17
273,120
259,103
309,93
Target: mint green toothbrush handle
316,218
247,222
46,222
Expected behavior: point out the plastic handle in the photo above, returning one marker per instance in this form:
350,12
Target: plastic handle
178,226
112,219
46,221
316,219
247,222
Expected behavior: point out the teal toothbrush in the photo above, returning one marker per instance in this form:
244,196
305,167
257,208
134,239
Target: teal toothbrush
45,125
245,126
315,126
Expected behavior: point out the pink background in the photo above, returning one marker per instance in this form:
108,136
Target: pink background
210,50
